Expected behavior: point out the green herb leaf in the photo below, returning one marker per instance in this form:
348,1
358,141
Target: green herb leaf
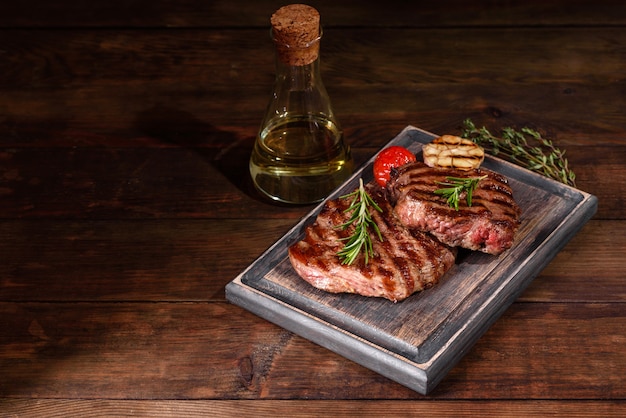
361,218
455,186
526,148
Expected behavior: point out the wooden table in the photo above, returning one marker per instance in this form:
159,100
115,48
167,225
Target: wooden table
126,206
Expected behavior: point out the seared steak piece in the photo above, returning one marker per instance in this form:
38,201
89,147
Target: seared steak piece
489,225
406,261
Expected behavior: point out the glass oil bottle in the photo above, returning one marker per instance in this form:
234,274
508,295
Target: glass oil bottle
299,155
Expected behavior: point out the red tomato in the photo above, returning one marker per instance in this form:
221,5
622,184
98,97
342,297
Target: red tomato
391,157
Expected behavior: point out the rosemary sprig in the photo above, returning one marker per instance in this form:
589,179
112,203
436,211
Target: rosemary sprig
525,147
456,186
362,220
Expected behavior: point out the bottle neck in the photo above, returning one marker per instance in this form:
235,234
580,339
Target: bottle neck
298,89
299,77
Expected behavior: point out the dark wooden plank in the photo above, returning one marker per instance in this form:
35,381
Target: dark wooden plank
105,183
561,343
523,355
241,13
60,95
178,182
187,260
589,268
307,408
234,60
218,351
120,116
135,260
91,89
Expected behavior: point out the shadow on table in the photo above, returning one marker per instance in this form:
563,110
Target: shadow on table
226,151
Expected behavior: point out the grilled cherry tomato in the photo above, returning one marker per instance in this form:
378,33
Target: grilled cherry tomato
391,157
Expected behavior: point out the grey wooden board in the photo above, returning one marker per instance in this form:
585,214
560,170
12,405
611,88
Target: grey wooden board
417,341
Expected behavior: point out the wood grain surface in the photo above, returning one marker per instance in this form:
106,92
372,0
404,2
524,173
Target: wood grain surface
126,205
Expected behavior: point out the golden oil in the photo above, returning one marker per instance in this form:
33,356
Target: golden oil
300,159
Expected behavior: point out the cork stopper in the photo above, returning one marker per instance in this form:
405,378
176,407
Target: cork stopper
296,32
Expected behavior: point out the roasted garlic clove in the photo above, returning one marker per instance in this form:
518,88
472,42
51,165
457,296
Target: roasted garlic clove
449,151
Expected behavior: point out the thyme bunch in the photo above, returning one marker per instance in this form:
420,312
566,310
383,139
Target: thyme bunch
526,148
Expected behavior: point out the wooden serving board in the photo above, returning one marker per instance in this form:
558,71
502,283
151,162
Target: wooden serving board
417,341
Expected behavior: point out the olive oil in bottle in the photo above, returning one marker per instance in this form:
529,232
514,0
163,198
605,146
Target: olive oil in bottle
299,155
300,159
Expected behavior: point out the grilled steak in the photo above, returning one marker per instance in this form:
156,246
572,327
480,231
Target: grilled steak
406,261
489,225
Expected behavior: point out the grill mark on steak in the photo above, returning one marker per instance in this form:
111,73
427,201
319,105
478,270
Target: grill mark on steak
489,225
405,261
